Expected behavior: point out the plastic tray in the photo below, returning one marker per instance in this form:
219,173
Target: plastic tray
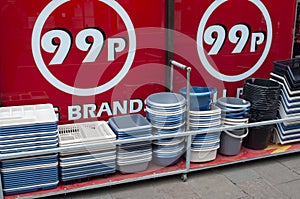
25,149
85,169
22,162
26,189
28,114
79,168
32,130
129,123
87,157
87,132
87,161
87,175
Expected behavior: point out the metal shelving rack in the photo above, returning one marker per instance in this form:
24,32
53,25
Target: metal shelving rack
183,167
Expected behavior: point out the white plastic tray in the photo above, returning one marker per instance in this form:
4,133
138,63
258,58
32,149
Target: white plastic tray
29,167
28,114
88,132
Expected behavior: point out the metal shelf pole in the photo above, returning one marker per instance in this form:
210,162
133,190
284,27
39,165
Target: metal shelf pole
188,90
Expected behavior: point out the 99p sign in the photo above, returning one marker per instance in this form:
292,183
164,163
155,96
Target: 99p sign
239,39
92,40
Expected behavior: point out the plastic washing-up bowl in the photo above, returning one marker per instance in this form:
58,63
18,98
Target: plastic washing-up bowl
200,97
203,155
166,161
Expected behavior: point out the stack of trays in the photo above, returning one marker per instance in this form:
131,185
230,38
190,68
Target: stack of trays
24,129
235,111
204,146
166,113
135,156
287,74
90,161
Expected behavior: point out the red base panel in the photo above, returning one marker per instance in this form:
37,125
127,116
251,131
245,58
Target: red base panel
244,155
249,154
111,178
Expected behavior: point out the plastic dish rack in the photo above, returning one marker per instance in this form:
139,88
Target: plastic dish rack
88,162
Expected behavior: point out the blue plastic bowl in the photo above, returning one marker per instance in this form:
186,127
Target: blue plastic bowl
200,97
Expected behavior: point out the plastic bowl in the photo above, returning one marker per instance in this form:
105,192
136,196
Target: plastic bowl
200,97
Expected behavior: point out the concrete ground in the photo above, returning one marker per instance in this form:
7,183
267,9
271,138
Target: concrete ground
276,177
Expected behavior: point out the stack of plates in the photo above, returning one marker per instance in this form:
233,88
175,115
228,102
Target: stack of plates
286,73
135,156
90,161
204,146
235,111
166,112
23,129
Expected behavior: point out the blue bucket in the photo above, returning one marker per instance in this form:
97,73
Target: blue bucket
200,97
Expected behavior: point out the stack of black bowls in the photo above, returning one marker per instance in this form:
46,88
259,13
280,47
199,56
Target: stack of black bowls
263,94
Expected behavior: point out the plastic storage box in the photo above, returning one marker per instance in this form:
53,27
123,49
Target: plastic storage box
132,157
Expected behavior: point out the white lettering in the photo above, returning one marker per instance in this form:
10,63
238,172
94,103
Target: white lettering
239,92
118,107
115,45
74,112
257,39
104,108
133,107
89,110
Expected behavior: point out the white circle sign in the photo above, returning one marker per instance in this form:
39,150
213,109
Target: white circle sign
37,55
201,52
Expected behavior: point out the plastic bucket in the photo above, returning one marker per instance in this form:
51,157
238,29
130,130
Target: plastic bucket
200,97
258,137
231,142
263,94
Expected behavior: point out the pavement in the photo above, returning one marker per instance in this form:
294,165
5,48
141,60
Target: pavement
275,178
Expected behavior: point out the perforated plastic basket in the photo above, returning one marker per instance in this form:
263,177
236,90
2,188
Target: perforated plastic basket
88,132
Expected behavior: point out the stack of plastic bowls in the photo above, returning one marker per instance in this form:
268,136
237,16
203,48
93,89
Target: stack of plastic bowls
263,94
166,112
204,146
134,156
200,97
286,73
235,111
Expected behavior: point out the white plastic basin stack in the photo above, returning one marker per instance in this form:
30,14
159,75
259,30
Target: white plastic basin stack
286,73
23,129
134,156
88,161
205,145
166,112
235,111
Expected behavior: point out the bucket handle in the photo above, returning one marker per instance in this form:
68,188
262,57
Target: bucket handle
236,136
